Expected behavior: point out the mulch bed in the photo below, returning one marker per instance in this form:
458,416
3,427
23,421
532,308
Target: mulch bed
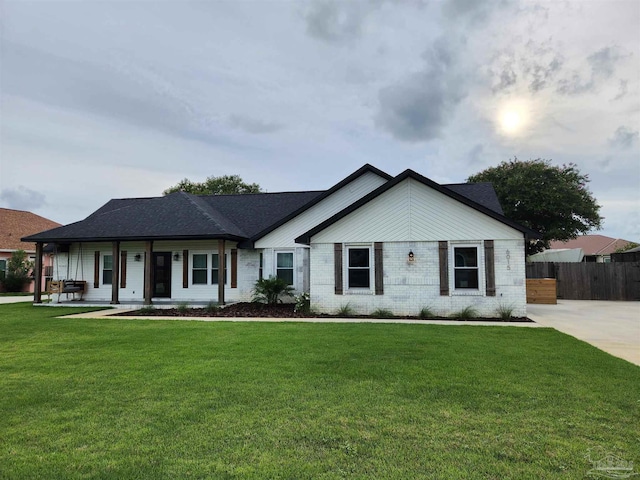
283,310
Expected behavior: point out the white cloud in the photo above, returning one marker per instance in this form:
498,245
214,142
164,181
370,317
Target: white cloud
296,96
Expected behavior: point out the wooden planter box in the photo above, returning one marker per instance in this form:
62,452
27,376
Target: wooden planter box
541,290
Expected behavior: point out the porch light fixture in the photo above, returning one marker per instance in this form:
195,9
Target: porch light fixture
176,256
411,256
138,257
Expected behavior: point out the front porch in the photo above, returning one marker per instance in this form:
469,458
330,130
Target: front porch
127,305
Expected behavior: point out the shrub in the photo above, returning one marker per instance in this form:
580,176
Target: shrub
504,312
148,309
427,312
382,313
182,307
303,303
466,313
18,269
269,290
212,307
345,310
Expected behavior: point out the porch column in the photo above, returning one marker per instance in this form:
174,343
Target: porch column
148,281
37,274
115,273
221,267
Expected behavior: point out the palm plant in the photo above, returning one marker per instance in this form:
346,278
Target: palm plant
269,290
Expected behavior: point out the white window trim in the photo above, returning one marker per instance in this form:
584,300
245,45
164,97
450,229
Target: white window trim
345,270
471,292
209,254
227,266
102,269
206,269
275,263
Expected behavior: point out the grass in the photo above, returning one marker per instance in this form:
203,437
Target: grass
345,310
182,307
17,294
427,313
504,312
212,307
118,399
382,313
467,313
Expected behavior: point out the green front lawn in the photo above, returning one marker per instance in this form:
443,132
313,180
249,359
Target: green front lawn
174,399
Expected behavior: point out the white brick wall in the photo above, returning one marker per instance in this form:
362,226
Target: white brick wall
410,286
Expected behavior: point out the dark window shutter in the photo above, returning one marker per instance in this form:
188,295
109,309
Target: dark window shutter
489,267
443,251
337,255
96,269
123,269
378,271
185,269
234,268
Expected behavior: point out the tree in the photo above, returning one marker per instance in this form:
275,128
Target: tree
549,199
224,185
18,269
628,246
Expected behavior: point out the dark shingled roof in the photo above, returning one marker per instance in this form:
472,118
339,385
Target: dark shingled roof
180,216
482,193
242,218
465,196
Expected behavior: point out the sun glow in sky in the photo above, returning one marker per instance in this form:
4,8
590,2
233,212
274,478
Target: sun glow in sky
513,119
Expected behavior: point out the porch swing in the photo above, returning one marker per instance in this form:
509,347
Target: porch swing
66,286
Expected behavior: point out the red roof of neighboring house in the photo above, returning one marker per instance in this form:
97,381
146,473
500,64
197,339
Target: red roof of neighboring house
15,224
592,244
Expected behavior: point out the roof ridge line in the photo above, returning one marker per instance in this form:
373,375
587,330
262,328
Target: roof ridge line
194,200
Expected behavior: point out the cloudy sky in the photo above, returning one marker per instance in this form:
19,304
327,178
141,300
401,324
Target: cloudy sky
115,99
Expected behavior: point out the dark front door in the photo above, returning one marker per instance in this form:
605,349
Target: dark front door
162,274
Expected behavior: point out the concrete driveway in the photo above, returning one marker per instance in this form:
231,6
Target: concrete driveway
611,326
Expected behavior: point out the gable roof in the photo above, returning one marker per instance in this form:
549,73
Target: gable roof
592,244
19,223
241,217
367,168
305,238
181,215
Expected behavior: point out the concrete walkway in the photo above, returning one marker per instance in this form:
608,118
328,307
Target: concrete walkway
16,299
611,326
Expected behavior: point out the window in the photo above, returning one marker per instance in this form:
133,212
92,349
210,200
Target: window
199,269
107,269
215,267
260,273
466,273
3,269
359,267
284,266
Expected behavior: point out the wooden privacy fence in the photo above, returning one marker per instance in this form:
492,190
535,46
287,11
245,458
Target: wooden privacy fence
591,281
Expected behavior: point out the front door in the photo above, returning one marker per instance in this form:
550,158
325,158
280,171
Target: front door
162,274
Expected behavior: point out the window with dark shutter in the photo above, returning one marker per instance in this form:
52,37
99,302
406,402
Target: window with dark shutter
489,267
443,254
337,264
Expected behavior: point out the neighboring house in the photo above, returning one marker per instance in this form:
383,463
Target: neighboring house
372,241
596,248
631,255
15,224
564,255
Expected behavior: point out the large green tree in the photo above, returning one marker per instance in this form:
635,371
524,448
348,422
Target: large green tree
224,185
549,199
